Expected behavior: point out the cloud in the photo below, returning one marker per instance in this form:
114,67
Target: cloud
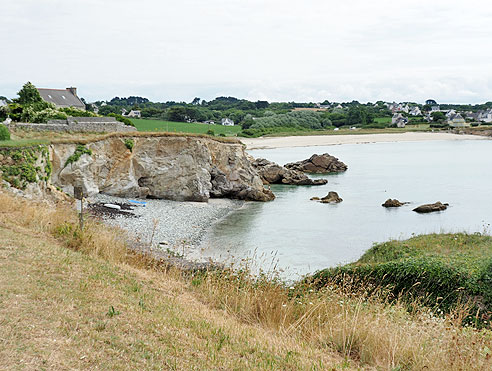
270,49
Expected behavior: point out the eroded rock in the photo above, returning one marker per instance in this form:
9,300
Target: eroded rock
331,197
318,164
169,167
429,208
393,203
272,173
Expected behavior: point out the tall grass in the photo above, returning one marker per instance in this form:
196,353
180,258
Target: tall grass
362,326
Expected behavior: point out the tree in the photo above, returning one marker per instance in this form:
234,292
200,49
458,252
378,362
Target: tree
28,94
438,116
196,101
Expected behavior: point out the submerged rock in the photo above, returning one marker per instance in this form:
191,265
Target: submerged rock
331,197
393,203
429,208
314,199
272,173
319,164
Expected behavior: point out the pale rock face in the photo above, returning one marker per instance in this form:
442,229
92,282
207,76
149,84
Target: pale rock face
175,168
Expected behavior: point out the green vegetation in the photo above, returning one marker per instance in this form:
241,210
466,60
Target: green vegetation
20,166
442,271
129,143
122,119
4,133
184,127
79,151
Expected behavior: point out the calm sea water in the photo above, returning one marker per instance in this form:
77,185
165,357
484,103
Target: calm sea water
305,236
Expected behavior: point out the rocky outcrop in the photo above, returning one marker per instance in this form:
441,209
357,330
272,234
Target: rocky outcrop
393,203
331,198
429,208
272,173
170,167
318,164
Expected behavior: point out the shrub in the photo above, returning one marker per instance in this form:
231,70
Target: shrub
79,151
122,119
4,133
129,144
210,132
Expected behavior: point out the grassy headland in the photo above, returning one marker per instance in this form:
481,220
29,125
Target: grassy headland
184,127
75,299
442,271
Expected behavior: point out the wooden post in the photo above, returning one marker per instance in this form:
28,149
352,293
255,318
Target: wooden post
78,193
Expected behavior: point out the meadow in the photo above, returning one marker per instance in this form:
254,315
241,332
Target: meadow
184,127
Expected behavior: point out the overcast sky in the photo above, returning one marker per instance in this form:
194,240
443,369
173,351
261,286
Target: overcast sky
278,50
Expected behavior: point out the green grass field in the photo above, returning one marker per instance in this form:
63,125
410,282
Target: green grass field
184,127
384,120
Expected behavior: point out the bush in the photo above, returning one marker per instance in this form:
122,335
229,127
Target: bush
129,144
210,132
4,133
122,119
79,151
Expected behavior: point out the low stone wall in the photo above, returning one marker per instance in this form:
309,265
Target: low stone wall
78,124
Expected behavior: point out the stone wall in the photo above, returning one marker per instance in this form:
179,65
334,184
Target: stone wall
78,124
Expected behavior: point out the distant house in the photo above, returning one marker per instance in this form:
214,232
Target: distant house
399,120
485,116
209,122
450,113
62,98
227,122
134,113
3,103
431,102
415,111
457,121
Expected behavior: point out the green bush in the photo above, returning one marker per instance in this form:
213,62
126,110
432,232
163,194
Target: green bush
440,271
79,151
122,119
210,132
129,144
4,132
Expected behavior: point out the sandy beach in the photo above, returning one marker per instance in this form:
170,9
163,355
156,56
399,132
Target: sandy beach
326,140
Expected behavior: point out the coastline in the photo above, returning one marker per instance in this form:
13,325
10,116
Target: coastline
167,228
336,139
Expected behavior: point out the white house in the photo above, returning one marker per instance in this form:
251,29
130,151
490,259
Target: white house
3,103
399,120
227,122
457,121
134,113
450,113
415,111
485,116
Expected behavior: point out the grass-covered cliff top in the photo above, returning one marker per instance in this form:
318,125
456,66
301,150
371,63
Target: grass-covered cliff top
23,138
442,270
73,299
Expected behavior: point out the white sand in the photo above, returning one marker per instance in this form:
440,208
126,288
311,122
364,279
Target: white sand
326,140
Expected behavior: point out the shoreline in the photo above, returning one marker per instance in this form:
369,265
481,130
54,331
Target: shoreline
163,225
337,139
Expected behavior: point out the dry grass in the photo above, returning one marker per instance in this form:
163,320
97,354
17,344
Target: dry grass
85,138
223,320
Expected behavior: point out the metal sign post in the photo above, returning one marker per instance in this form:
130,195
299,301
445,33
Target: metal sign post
78,193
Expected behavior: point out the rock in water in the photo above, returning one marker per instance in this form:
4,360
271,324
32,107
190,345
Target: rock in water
272,173
429,208
393,203
331,197
318,164
314,199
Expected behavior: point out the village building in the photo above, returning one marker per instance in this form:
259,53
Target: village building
415,111
399,120
485,116
227,122
134,113
457,121
62,98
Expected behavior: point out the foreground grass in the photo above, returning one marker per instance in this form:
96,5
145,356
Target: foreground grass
81,300
184,127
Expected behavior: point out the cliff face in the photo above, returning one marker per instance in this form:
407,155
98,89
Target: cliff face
175,168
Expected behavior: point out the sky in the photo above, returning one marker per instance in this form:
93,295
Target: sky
275,50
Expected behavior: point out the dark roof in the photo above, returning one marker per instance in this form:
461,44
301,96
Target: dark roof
61,98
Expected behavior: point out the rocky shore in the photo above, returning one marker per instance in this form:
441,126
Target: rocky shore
164,224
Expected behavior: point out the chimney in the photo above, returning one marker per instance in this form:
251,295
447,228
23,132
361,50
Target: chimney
72,90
